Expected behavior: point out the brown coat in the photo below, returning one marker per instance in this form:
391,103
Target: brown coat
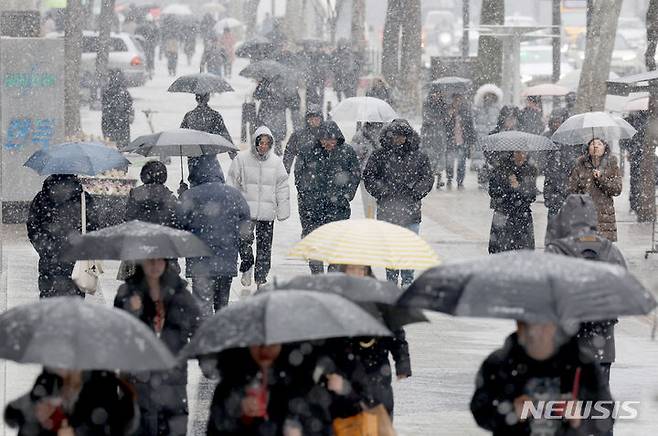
602,190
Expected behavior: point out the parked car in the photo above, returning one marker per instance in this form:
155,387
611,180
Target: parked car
626,58
126,54
537,63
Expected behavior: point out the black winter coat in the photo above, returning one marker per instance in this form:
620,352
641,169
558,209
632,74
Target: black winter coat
512,225
301,139
206,119
531,121
399,177
100,391
559,164
469,134
153,203
326,182
117,108
509,373
272,109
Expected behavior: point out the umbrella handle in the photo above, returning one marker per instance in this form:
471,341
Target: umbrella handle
182,174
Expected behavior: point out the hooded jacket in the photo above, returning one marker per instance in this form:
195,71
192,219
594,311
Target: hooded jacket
326,180
153,201
262,180
576,225
215,213
602,190
306,137
399,176
485,117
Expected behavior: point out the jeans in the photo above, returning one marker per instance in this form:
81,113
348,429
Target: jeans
211,293
264,233
407,274
459,153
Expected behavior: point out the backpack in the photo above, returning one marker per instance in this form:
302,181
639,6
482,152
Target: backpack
589,247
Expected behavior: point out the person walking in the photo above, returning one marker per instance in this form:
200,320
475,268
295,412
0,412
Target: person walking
54,216
152,202
345,66
399,176
170,45
633,147
461,137
159,298
327,176
149,31
513,189
597,173
303,138
380,89
531,118
263,181
117,109
227,43
217,214
486,107
365,142
213,59
433,134
272,109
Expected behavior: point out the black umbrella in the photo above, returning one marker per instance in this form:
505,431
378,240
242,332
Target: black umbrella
136,240
530,286
517,141
68,333
266,69
450,85
258,47
377,297
282,317
200,83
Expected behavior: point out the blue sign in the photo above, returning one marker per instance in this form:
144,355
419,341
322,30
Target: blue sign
26,130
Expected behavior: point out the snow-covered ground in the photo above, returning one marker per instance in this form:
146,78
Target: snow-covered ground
446,353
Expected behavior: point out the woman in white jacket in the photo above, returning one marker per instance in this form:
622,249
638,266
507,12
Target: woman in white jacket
263,180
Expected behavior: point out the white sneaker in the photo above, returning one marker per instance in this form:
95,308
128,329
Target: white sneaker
246,277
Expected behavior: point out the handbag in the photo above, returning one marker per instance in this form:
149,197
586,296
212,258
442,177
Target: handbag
370,422
86,273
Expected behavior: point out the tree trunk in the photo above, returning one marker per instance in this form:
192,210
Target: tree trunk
410,58
358,25
104,30
293,20
598,54
73,54
250,14
391,42
490,49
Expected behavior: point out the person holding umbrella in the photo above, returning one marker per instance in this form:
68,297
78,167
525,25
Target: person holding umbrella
304,137
327,176
597,173
213,59
399,176
117,110
206,119
157,296
261,177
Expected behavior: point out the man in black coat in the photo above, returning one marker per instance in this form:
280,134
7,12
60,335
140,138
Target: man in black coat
152,202
399,176
117,109
327,176
55,215
531,117
206,119
303,138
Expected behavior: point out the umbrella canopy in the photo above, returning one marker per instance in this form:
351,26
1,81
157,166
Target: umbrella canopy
365,109
450,85
517,141
177,9
180,142
530,286
546,90
282,317
227,23
200,83
581,128
256,47
83,158
266,69
366,242
136,240
377,297
638,104
67,333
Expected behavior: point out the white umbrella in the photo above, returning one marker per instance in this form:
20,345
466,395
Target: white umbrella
227,23
582,128
177,9
546,90
364,109
638,104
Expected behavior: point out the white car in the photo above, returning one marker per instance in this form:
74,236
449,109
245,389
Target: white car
537,64
626,59
126,54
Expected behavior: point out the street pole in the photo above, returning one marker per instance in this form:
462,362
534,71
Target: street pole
466,18
557,40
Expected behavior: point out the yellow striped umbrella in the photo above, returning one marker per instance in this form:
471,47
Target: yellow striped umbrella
366,242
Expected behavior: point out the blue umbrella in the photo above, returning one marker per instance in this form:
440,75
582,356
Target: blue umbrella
83,158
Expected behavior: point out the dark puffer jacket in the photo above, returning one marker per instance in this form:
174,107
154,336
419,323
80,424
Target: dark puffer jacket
152,202
326,180
399,176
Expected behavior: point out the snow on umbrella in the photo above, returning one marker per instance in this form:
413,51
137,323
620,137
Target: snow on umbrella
582,128
136,240
364,109
81,158
366,242
638,104
266,69
282,317
546,90
450,85
255,47
227,23
177,9
530,286
377,297
516,141
68,333
180,142
200,83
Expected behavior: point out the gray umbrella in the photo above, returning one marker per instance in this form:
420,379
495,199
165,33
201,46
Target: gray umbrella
582,128
450,85
282,317
180,142
136,240
531,286
375,296
200,83
517,141
68,333
267,69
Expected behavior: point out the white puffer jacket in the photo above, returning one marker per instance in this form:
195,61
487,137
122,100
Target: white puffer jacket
263,181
